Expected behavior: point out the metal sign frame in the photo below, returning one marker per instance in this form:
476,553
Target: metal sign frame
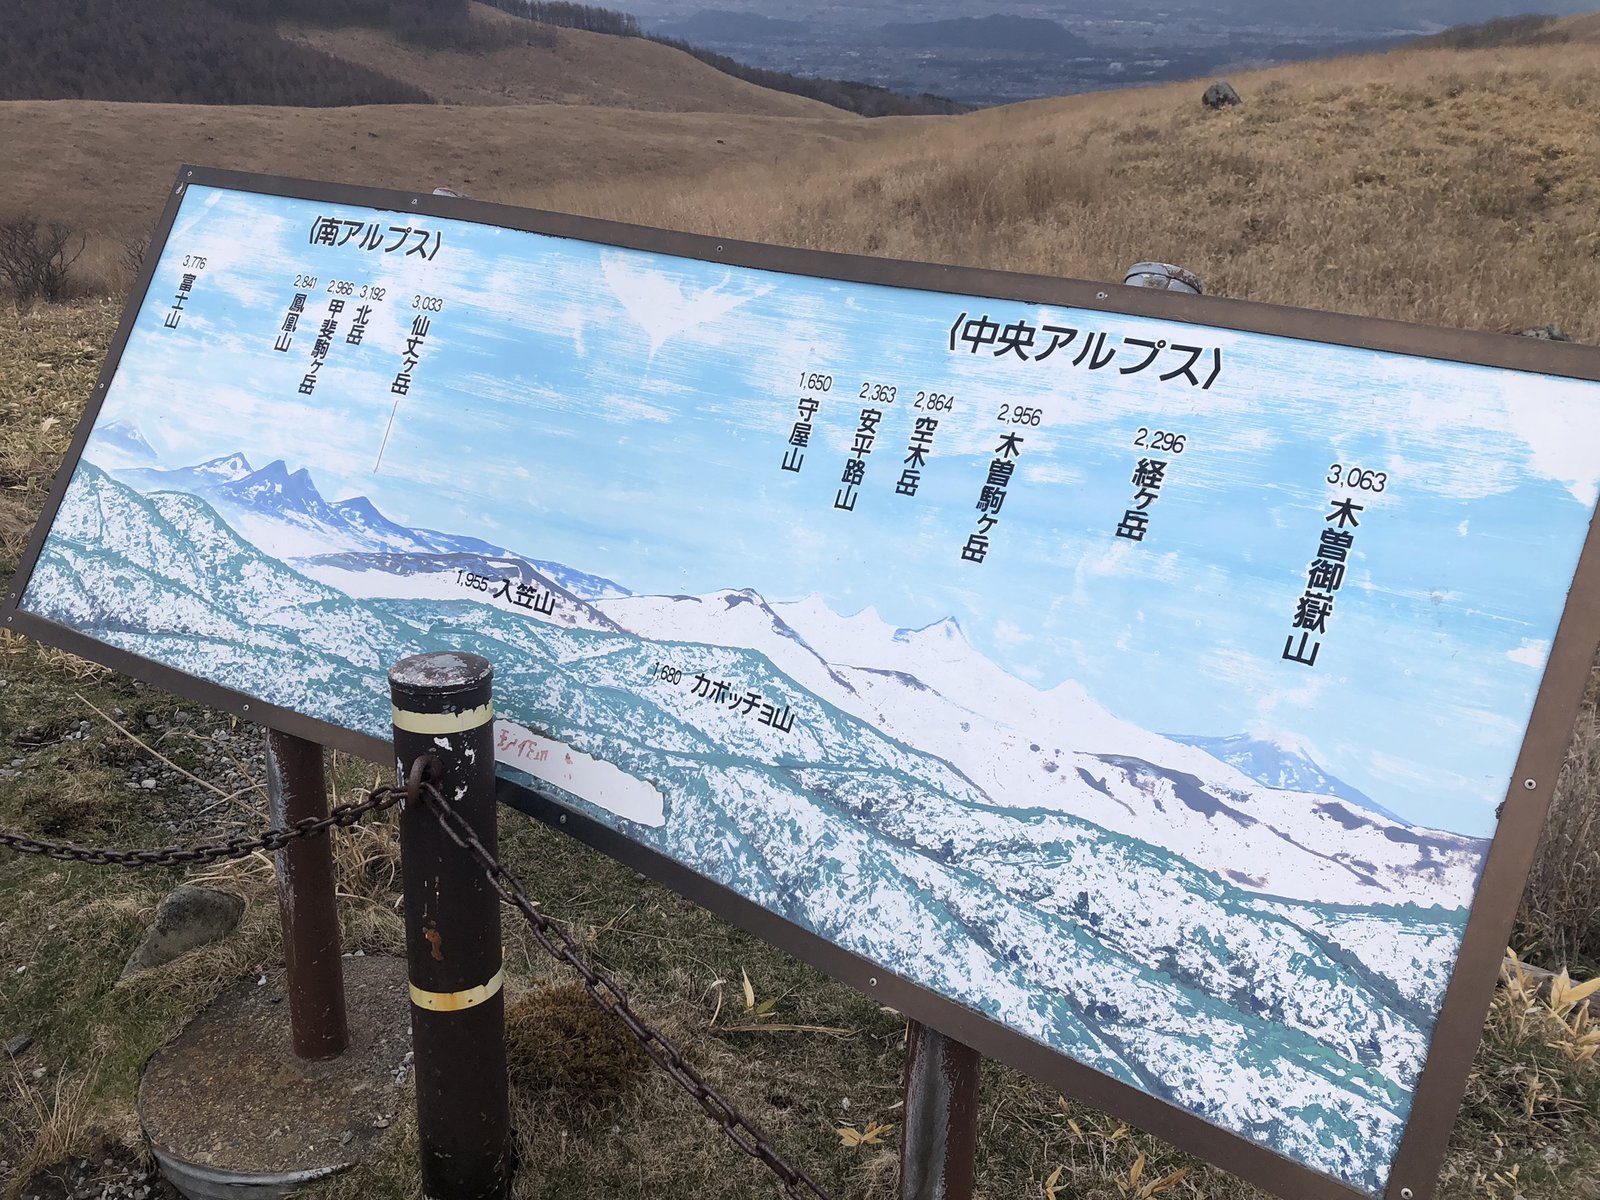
1459,1027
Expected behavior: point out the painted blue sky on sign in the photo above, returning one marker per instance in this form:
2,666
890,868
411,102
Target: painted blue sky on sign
626,414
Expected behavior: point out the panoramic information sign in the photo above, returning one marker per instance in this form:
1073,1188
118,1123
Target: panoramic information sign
1137,687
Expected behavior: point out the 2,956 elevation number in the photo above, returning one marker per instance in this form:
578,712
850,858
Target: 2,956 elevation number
1016,414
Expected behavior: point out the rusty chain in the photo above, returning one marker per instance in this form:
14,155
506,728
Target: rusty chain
551,935
605,992
235,847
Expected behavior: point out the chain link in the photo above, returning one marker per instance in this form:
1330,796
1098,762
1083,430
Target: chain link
235,847
551,935
605,992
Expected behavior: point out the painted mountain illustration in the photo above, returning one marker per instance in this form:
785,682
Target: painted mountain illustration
1262,816
892,790
283,513
1280,762
122,442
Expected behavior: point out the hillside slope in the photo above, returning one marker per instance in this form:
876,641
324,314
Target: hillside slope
1443,186
1585,28
106,167
172,52
547,65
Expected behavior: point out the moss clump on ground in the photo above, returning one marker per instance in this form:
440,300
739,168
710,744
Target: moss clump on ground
558,1037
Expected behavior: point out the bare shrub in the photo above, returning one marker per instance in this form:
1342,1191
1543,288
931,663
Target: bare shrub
133,251
36,261
1560,918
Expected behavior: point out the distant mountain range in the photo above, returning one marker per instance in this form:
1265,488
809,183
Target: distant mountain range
1343,15
284,514
1004,32
1281,764
721,24
1262,814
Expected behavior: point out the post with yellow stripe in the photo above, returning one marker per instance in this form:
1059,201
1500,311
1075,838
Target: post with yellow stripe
444,708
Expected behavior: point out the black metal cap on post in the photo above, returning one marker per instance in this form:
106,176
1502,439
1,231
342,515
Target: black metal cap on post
444,709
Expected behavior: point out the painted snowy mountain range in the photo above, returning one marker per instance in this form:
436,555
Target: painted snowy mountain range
1144,904
1282,762
284,515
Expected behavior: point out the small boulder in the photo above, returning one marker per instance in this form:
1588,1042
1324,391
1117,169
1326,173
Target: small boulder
1220,95
187,919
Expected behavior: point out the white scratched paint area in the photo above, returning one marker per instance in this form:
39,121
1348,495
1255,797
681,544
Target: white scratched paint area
600,783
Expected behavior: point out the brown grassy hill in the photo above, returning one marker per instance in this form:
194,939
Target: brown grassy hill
105,167
1446,186
1581,28
558,66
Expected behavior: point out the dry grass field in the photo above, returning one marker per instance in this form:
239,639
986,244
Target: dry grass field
1457,188
561,66
105,168
1454,188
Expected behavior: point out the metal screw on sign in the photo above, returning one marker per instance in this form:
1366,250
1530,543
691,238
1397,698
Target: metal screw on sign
444,723
1406,1194
1530,784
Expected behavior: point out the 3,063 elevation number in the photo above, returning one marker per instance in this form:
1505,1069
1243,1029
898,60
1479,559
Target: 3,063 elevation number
1358,477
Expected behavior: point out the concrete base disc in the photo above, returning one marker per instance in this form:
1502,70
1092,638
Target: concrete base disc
230,1112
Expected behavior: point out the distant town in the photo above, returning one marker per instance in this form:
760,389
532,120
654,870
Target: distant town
1047,49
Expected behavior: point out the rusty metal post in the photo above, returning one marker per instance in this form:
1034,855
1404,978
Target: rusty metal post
940,1138
297,789
444,708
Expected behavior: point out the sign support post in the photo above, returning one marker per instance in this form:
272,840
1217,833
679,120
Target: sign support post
940,1138
444,711
296,790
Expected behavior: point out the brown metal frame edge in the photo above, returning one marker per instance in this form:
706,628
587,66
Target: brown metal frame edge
1442,1084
